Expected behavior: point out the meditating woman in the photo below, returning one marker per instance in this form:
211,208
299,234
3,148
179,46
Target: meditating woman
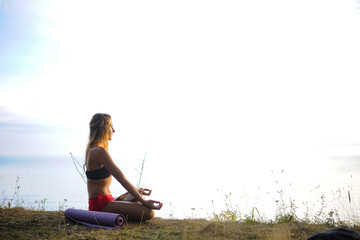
99,171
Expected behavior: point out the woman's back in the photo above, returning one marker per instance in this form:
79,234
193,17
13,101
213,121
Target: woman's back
98,177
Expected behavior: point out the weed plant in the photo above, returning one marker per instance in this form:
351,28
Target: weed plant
16,201
229,214
323,211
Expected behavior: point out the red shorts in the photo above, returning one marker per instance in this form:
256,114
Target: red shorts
97,204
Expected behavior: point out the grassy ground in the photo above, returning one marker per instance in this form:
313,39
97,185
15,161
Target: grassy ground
20,223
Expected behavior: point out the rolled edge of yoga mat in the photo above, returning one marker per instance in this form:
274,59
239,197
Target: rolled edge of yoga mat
95,219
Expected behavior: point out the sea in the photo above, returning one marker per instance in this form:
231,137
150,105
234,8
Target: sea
329,188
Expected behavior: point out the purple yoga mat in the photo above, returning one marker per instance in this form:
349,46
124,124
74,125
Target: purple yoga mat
96,219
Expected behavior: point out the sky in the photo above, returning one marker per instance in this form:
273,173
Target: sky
204,87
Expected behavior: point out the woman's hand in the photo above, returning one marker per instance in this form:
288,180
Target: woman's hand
153,204
145,191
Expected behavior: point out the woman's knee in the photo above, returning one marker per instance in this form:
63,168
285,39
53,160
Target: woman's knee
149,214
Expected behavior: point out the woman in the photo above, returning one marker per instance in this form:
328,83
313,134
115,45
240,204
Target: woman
99,171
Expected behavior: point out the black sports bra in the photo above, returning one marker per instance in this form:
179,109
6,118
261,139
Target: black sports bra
100,173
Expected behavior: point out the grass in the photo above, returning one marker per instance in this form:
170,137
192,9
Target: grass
23,223
20,220
20,223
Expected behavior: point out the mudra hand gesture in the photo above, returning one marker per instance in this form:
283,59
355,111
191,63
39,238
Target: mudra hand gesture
153,204
145,191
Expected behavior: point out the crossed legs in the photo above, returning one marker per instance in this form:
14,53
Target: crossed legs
133,211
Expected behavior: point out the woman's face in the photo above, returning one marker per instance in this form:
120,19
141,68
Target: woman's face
110,131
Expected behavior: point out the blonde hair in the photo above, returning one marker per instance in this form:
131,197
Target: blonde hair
99,128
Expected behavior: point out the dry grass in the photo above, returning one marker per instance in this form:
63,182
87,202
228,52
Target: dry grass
20,223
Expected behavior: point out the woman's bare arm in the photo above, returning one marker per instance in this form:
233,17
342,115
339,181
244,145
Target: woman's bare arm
109,164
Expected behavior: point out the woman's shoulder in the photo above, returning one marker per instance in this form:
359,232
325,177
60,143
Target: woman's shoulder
98,151
99,155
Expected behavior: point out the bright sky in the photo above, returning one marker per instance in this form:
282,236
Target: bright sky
197,84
